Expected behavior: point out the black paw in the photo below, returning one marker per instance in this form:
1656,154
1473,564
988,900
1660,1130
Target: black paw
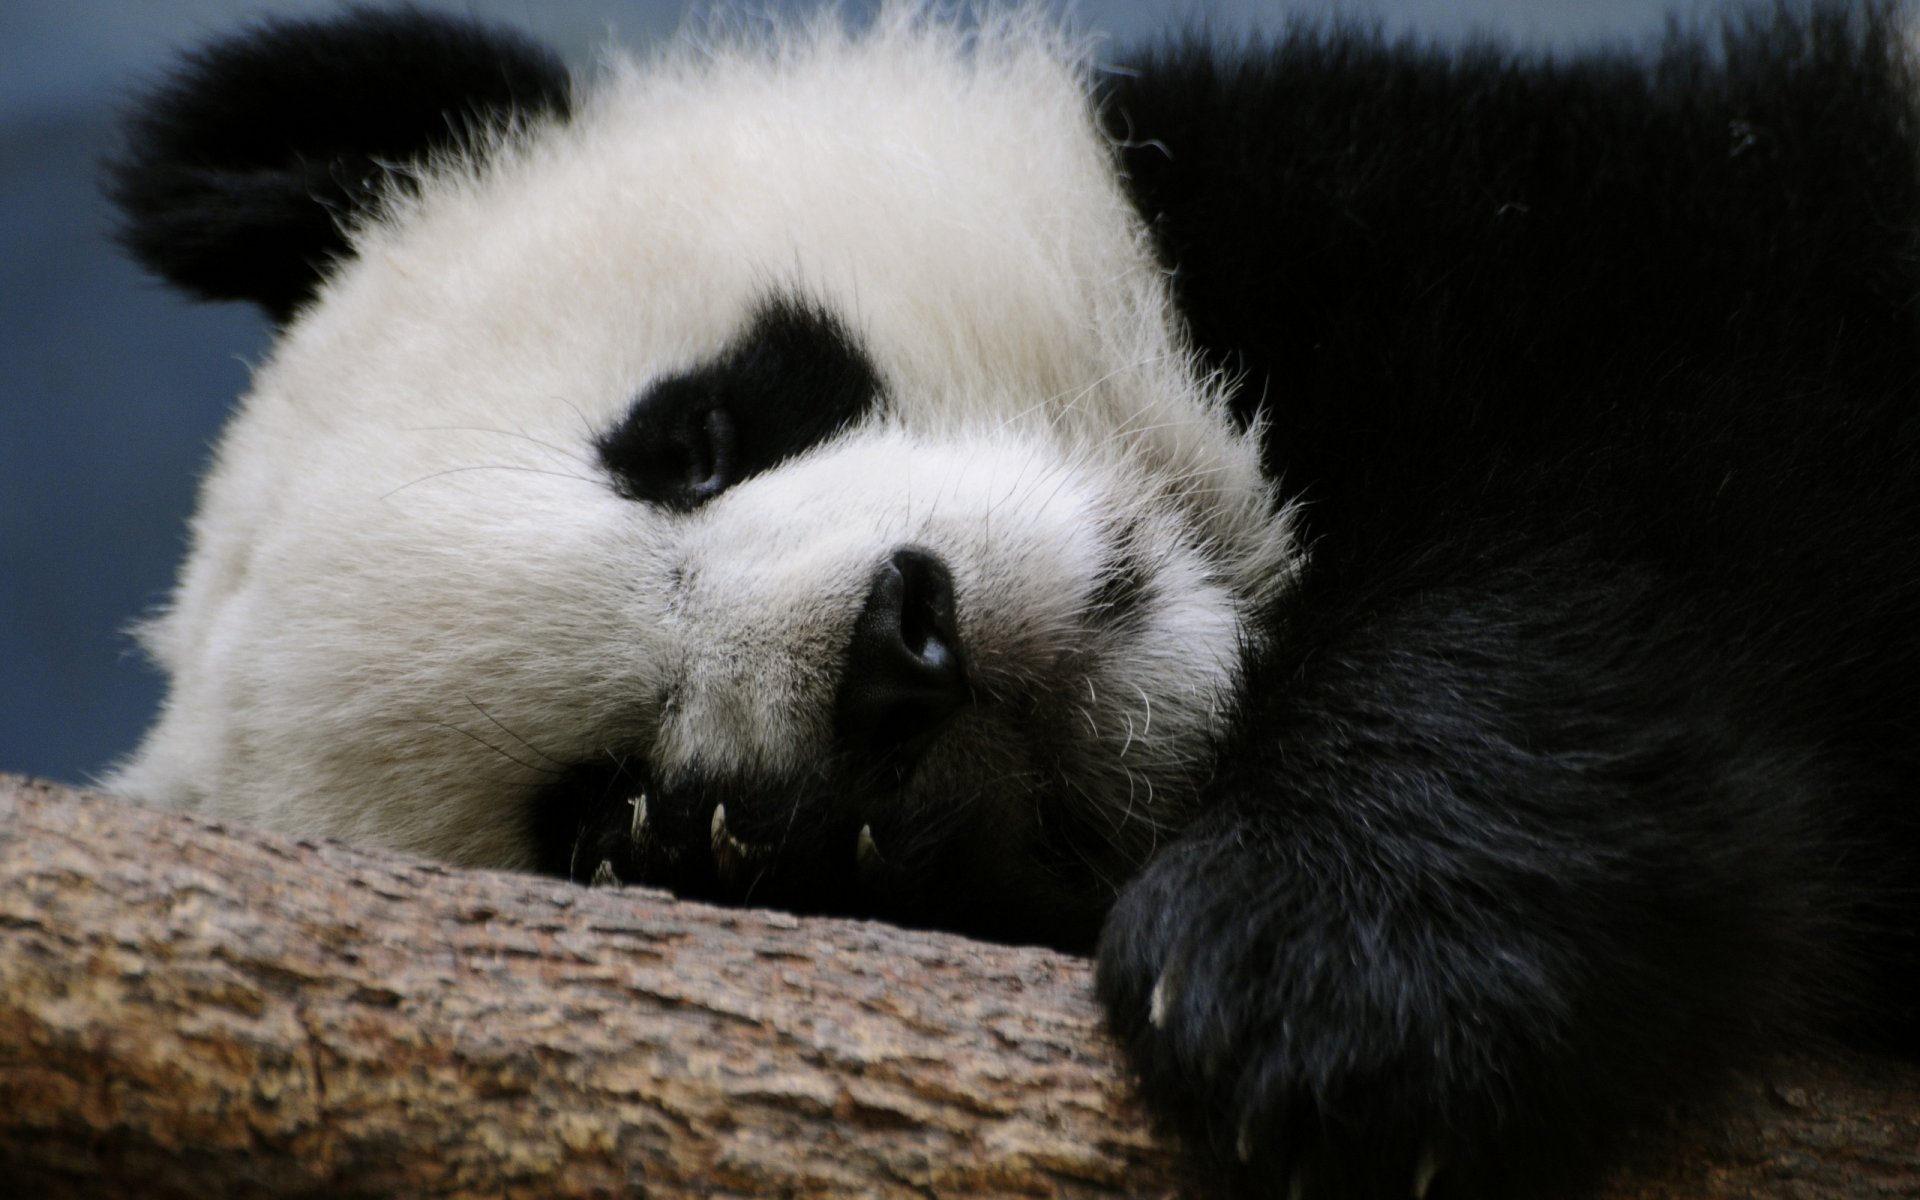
1339,1040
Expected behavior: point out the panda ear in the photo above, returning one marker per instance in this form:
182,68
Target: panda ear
241,172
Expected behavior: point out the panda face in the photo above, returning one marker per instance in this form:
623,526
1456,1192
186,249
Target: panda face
785,479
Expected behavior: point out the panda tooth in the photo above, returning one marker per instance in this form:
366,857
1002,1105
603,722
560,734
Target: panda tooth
603,875
638,830
729,852
726,862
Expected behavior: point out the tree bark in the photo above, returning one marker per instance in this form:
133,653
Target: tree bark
192,1010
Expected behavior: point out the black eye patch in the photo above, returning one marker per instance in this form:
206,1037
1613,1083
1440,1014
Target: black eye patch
793,379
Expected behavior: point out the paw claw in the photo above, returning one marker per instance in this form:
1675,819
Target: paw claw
603,875
1423,1172
1165,990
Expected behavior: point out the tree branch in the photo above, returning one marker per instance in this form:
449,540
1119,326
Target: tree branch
187,1009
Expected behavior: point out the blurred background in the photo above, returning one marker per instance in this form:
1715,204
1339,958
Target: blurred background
112,390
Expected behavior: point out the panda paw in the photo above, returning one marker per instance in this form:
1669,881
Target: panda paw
1304,1053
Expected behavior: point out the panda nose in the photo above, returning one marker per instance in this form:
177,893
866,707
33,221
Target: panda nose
904,674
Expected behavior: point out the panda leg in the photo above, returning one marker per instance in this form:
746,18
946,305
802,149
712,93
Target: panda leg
1477,887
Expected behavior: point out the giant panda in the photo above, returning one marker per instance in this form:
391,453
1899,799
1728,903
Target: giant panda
1410,555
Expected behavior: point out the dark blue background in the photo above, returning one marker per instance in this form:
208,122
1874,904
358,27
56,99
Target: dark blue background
111,390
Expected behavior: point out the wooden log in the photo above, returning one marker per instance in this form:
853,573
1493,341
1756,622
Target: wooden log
192,1010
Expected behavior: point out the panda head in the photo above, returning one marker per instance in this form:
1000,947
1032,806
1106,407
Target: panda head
775,471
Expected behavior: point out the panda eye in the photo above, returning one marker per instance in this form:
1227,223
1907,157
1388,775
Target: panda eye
709,456
793,379
677,447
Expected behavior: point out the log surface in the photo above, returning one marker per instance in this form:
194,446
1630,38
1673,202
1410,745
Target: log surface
192,1010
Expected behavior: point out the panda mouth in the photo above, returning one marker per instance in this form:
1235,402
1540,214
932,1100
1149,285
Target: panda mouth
794,844
805,847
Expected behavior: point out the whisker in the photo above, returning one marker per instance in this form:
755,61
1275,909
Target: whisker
468,733
492,467
562,451
477,707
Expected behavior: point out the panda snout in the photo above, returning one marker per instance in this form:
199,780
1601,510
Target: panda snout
905,671
819,837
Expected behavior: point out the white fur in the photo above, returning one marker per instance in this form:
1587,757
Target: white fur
413,591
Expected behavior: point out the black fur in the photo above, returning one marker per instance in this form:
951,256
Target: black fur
240,176
1586,762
